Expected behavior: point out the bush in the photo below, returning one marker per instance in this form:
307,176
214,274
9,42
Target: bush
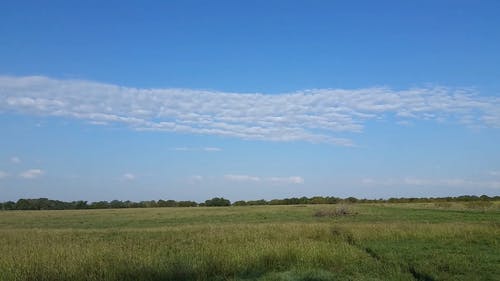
479,205
341,210
442,205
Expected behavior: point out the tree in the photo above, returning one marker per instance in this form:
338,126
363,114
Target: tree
240,203
257,202
80,204
25,204
217,202
9,205
115,204
100,205
187,204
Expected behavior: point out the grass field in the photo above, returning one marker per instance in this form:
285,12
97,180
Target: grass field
375,242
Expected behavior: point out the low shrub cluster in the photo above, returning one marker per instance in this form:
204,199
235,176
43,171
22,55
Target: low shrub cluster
340,211
479,205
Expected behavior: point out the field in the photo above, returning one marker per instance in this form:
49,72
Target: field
371,242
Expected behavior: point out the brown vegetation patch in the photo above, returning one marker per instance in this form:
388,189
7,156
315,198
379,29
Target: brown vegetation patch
336,212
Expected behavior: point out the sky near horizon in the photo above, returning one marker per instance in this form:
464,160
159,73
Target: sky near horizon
189,100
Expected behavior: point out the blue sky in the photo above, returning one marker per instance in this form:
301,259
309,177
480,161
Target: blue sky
189,100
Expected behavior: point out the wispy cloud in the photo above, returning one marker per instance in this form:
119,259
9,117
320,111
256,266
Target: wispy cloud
273,180
32,174
317,115
241,178
287,180
195,179
15,160
212,149
129,177
494,173
3,175
180,148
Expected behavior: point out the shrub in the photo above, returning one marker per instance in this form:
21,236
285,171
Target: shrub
339,211
479,205
443,205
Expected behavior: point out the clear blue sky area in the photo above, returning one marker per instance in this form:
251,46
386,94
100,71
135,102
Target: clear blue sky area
187,100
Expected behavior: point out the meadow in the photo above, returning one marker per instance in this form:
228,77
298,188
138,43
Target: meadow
422,241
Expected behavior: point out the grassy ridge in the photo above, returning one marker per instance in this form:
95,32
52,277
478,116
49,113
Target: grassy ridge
393,242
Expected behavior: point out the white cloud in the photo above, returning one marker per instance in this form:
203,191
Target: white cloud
287,180
212,149
195,179
3,175
32,174
129,176
180,149
494,173
15,160
317,115
242,178
272,180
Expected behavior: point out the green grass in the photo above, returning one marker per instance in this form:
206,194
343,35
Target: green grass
380,242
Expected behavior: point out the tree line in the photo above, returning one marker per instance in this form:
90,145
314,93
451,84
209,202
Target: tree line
48,204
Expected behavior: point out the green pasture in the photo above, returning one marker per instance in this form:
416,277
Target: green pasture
422,241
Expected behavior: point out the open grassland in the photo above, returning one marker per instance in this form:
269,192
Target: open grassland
373,242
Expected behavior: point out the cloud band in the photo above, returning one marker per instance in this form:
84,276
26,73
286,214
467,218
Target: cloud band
318,115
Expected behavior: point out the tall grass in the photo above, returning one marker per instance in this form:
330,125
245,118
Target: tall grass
249,243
